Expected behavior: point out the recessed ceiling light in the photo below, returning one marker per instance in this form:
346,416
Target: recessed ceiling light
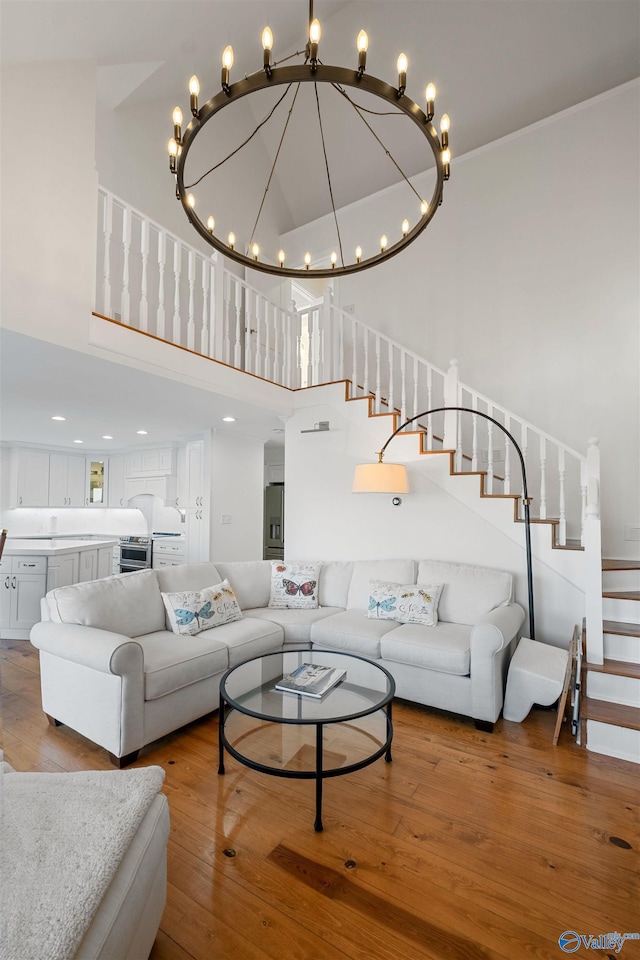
229,419
78,441
141,431
58,418
107,436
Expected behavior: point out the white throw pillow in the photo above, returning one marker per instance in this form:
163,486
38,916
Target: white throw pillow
191,611
294,586
406,603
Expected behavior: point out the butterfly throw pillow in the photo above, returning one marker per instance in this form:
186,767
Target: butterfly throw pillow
294,586
191,611
406,603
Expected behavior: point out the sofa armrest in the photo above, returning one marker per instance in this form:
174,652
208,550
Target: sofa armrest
89,647
490,641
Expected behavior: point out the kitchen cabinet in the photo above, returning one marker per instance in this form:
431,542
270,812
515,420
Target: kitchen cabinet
62,570
29,477
23,584
163,487
105,562
168,553
96,482
150,463
66,480
88,569
115,487
197,503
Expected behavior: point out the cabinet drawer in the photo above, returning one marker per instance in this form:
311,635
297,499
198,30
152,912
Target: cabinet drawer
29,565
168,548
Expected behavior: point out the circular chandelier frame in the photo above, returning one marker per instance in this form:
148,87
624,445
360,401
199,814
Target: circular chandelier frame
305,73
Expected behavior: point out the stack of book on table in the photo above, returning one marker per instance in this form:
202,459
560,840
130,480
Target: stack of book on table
311,680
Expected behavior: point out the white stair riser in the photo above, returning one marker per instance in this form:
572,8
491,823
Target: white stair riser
613,689
620,742
621,579
626,610
617,647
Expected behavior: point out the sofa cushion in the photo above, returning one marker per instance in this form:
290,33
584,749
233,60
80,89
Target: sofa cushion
170,664
294,586
404,602
469,591
192,611
400,571
353,632
129,604
335,578
444,648
250,581
188,576
295,623
251,638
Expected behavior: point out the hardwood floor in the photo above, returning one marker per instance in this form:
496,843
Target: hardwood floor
468,846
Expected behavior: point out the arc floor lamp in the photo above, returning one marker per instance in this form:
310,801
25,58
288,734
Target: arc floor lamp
384,477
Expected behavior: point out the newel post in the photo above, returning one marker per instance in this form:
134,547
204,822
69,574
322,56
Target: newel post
593,555
451,400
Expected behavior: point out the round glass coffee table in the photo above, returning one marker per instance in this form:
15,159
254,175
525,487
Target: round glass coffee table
297,736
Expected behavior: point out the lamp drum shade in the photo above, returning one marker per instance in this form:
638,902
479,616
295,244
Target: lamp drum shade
380,478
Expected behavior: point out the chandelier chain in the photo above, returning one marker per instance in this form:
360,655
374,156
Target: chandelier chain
273,166
375,135
189,186
326,163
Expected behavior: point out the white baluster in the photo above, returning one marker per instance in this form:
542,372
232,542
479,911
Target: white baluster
474,440
451,400
191,323
391,398
403,386
378,375
328,341
458,461
162,257
177,268
416,369
562,526
593,555
341,373
365,384
316,356
488,487
237,316
278,323
144,253
126,248
107,228
205,267
543,478
354,358
248,325
507,457
288,345
524,445
429,423
269,320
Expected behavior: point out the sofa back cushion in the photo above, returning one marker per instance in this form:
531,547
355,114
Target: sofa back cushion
398,571
250,581
468,592
188,576
129,604
335,579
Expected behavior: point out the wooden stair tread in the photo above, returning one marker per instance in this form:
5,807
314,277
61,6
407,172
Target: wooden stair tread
616,668
621,628
617,714
622,594
621,564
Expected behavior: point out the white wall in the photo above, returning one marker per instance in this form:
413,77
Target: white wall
237,492
326,521
528,275
49,199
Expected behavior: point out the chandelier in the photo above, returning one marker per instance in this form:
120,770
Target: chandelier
341,81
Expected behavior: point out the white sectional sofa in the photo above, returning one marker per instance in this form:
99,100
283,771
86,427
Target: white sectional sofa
112,670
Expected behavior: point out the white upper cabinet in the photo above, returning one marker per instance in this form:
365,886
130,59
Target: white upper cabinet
151,463
116,496
29,477
66,480
96,482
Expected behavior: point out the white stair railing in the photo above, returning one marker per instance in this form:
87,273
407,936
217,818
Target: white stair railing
152,281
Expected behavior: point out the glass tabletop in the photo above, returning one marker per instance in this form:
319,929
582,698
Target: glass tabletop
250,687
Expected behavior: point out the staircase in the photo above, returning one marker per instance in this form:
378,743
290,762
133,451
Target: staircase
610,710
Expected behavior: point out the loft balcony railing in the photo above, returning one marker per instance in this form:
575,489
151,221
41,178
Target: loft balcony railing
150,280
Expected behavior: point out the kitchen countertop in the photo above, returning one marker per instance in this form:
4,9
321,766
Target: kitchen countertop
51,548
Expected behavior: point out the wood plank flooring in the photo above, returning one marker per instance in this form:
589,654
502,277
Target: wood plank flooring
468,846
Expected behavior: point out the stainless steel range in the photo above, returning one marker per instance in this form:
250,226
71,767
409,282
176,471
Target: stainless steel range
135,553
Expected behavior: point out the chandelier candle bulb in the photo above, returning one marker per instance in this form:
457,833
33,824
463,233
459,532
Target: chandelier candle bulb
255,251
445,124
430,95
333,259
424,207
281,257
383,243
177,124
405,227
315,32
191,200
267,46
307,260
402,65
227,63
172,147
194,92
231,239
362,44
358,254
446,160
211,224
